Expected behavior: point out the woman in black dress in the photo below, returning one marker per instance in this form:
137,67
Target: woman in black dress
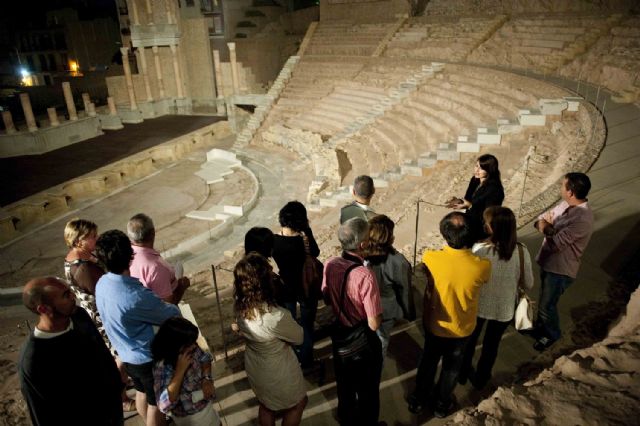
484,190
289,252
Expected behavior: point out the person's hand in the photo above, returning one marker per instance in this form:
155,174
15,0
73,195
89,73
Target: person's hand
208,389
234,327
184,358
545,227
184,282
454,203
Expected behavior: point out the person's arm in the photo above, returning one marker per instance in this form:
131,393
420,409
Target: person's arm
176,296
528,270
370,294
87,276
167,383
208,388
575,230
429,293
287,329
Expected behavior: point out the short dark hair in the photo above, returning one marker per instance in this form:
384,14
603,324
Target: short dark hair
294,215
260,240
174,334
456,230
363,186
35,293
113,249
489,164
579,184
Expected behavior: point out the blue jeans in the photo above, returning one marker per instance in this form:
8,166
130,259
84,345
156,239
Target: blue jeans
552,286
307,319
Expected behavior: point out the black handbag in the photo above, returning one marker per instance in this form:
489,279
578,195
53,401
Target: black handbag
349,342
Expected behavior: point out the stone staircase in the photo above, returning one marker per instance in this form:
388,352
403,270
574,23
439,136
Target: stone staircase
248,132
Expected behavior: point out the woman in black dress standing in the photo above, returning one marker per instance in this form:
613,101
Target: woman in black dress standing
289,251
484,190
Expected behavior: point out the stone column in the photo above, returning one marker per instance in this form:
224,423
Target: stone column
68,98
176,69
149,12
142,60
112,105
53,117
167,9
8,122
234,68
156,59
127,77
133,11
28,112
220,98
91,109
86,100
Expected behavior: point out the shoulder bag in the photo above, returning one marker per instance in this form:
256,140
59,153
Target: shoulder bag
311,274
348,342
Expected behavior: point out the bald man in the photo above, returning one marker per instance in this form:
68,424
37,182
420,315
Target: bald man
67,375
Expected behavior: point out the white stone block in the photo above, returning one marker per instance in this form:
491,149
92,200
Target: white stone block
552,106
411,170
573,103
491,137
328,202
463,138
468,147
447,155
427,161
534,118
220,154
443,145
380,183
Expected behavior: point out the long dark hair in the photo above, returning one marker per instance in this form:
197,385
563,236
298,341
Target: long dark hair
253,285
489,164
174,334
503,236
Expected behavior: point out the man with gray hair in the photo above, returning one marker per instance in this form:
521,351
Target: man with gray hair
148,266
363,191
350,288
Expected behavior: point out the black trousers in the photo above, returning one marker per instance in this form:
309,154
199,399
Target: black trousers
358,383
490,344
451,351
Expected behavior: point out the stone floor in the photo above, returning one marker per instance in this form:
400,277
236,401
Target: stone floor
27,175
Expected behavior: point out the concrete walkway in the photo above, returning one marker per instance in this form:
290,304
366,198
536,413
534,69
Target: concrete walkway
28,175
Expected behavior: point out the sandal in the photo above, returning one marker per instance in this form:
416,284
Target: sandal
129,405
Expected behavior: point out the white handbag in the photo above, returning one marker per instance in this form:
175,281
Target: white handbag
523,317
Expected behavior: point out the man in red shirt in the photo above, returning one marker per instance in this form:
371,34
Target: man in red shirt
351,290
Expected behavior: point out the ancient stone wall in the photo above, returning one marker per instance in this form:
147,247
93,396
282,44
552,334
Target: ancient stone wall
362,10
466,7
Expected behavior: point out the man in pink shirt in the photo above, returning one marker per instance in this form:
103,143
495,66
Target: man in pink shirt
567,229
148,266
351,290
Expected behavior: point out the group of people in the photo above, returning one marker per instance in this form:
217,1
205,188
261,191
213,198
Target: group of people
114,321
127,291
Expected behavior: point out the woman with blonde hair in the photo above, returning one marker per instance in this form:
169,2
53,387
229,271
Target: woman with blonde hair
82,271
269,331
393,275
510,268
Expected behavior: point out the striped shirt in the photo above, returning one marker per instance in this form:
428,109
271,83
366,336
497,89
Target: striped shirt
362,297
